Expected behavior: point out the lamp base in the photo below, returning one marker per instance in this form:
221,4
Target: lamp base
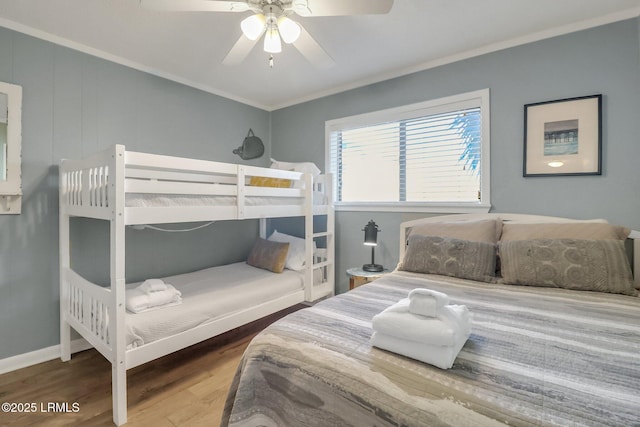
374,268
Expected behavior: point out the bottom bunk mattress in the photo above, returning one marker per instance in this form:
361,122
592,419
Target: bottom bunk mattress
536,356
208,295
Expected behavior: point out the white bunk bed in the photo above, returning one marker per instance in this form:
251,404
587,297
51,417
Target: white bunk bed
130,188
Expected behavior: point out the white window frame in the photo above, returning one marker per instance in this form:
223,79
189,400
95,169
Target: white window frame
450,103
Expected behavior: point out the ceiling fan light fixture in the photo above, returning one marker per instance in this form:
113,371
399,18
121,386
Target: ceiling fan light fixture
253,26
289,29
272,42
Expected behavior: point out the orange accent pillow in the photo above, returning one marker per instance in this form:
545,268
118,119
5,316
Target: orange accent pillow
262,181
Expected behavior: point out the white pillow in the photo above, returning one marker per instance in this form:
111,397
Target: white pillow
295,257
303,167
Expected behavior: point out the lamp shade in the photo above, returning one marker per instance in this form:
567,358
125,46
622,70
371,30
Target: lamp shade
371,234
272,42
253,26
289,30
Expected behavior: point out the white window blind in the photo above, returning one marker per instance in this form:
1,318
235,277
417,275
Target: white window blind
428,153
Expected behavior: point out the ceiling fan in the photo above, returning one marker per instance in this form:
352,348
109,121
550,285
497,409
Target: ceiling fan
271,18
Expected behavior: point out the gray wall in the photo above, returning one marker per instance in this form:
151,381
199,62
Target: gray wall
73,105
602,60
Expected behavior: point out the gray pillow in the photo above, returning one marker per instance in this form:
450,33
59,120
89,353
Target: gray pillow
450,257
586,265
268,255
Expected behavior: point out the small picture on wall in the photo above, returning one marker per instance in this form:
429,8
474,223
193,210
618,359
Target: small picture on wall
563,137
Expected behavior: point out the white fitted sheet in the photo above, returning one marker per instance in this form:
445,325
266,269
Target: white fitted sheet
145,200
208,295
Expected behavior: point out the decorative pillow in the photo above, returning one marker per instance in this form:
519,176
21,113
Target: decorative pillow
263,181
295,257
572,230
587,265
268,255
450,257
485,230
303,167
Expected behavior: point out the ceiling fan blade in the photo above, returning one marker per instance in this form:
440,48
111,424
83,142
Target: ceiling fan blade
239,51
341,7
311,50
196,5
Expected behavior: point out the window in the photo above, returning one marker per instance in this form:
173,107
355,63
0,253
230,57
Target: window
431,156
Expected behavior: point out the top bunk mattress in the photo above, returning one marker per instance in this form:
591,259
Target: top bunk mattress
208,295
145,200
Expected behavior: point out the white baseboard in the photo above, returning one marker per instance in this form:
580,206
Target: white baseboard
43,355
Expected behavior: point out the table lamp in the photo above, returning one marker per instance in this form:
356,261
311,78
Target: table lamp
371,239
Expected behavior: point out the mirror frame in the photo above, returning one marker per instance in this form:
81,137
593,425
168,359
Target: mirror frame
11,188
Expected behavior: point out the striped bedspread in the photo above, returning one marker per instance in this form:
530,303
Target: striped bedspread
536,356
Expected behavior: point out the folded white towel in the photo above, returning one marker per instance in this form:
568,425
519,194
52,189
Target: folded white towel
427,302
452,322
440,356
138,301
401,306
152,285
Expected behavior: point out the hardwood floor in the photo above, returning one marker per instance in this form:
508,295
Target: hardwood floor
186,388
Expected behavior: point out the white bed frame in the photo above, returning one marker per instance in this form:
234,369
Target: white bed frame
517,218
96,187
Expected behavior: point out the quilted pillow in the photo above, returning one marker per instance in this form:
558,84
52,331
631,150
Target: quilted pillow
573,230
268,255
587,265
485,230
450,257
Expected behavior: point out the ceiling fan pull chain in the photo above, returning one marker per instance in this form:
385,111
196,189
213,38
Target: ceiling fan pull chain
270,61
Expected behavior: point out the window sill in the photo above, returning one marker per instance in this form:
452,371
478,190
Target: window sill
412,207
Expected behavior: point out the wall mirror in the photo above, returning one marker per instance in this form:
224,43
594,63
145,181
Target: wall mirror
10,148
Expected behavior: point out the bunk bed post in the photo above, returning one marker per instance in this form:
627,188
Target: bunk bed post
65,263
117,256
263,228
308,237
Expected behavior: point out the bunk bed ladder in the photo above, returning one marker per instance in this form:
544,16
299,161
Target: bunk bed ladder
326,264
308,238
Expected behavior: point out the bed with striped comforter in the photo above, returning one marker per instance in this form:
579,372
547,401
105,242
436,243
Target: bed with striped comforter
536,356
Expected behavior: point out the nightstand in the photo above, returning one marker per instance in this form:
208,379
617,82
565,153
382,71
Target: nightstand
358,277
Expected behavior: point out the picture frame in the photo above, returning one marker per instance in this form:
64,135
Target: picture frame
563,137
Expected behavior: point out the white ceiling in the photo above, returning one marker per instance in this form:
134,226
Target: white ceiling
189,46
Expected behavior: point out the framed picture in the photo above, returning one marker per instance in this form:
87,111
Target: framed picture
563,137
